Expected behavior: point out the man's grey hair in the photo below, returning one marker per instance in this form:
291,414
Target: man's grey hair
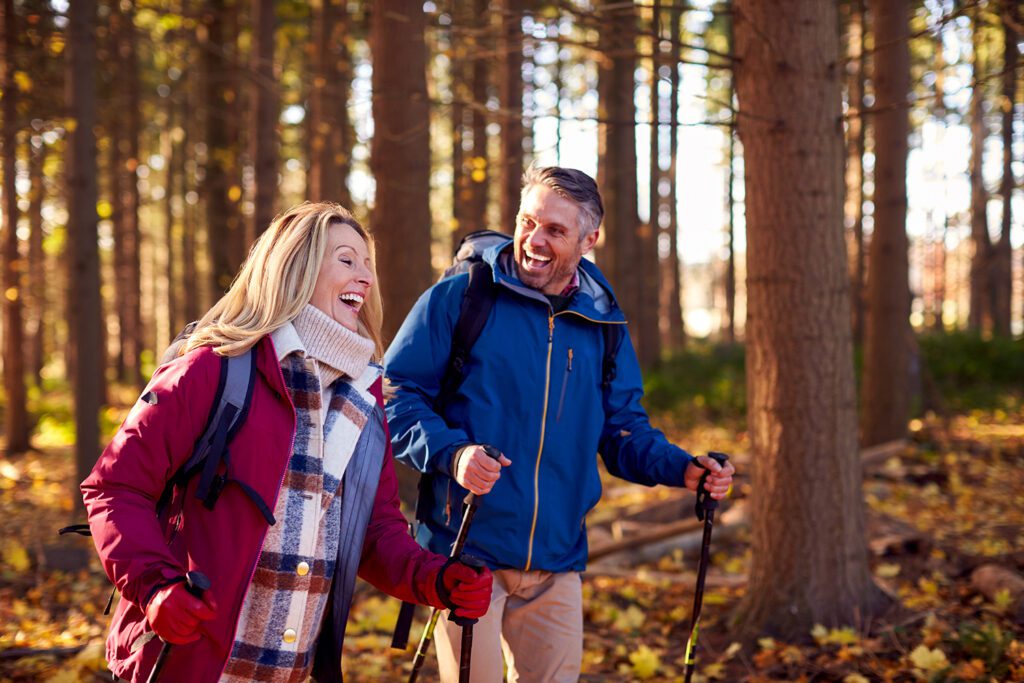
571,184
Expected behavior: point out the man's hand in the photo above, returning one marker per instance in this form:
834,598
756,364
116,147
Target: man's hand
719,479
476,471
174,613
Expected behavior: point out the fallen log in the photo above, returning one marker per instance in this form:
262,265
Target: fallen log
20,652
682,535
686,580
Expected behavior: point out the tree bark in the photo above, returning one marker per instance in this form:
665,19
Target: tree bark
885,398
400,157
84,296
37,342
1002,254
810,561
16,419
132,324
628,245
265,99
855,134
979,317
219,189
510,97
332,135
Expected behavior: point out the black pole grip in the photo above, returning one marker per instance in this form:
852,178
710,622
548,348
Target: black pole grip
196,583
704,500
495,454
477,565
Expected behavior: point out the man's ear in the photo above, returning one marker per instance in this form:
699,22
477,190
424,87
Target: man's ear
590,240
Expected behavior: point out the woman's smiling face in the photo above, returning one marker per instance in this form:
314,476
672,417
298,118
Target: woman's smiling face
345,276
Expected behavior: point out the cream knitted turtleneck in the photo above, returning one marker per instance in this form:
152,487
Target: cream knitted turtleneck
337,349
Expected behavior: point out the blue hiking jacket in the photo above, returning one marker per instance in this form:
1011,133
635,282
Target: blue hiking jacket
532,389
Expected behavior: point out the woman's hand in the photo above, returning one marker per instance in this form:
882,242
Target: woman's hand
465,590
174,613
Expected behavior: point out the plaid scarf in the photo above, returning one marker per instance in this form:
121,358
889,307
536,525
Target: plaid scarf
281,616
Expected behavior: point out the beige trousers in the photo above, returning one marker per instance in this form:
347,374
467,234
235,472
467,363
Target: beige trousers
535,620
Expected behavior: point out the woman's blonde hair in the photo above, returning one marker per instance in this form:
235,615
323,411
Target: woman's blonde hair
277,280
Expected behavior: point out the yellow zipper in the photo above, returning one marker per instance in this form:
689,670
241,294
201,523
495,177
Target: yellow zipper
543,423
540,448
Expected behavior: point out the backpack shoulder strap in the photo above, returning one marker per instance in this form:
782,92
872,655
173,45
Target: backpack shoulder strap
477,301
228,412
612,339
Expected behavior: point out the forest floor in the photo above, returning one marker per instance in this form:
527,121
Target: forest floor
950,501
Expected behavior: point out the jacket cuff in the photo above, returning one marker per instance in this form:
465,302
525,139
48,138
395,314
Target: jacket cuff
153,580
426,586
446,463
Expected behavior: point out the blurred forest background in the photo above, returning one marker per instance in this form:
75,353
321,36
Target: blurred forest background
813,223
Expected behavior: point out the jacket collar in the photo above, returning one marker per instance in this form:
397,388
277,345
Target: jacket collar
594,299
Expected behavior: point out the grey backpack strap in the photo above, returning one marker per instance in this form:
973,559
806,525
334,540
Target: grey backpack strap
234,389
234,395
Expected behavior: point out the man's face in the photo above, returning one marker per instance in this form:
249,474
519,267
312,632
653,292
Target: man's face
547,241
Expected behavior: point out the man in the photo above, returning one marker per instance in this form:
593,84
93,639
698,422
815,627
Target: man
534,389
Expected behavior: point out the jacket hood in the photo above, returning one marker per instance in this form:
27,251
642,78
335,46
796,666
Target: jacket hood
594,299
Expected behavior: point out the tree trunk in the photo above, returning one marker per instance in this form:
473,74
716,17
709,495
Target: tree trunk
510,97
629,246
219,191
475,215
36,342
330,126
84,292
810,562
979,317
132,325
939,245
1002,255
265,113
170,146
16,422
855,134
400,158
885,399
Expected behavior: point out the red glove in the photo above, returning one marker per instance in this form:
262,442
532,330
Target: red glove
465,590
174,613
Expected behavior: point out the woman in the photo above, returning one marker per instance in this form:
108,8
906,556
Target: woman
314,448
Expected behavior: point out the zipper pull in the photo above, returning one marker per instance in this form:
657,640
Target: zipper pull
551,327
569,368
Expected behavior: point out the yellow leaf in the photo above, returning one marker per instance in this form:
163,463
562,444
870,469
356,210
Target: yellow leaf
1003,599
630,620
104,209
930,661
855,678
14,556
714,671
819,633
731,651
842,636
11,293
645,661
235,193
887,571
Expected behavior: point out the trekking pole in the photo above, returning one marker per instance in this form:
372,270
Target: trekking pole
196,583
705,510
466,654
470,504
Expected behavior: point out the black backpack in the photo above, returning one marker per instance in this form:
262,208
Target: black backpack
477,301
